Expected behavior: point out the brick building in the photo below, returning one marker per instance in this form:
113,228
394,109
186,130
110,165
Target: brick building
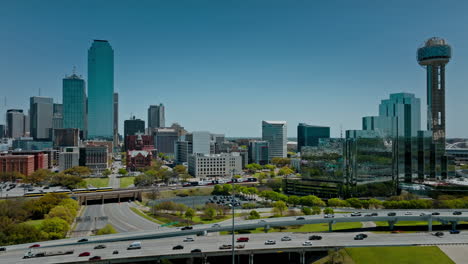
23,164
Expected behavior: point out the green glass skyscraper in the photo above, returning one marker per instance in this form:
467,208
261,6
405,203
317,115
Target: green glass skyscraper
100,90
74,103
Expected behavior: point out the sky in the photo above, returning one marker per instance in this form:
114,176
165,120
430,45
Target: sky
224,66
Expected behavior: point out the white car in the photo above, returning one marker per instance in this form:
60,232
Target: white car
188,239
270,242
328,216
307,243
408,213
286,238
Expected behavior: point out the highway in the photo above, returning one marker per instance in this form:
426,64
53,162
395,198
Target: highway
210,246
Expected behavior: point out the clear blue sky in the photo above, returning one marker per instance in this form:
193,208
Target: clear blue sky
224,66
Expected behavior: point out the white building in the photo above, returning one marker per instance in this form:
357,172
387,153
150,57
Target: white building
68,158
214,165
275,133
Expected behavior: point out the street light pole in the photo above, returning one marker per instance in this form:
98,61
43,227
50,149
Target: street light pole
232,203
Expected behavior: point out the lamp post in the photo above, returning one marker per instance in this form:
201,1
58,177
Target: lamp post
232,204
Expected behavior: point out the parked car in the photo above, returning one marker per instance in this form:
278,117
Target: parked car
300,218
225,247
270,242
457,213
356,214
95,258
454,232
188,239
243,239
286,238
315,237
100,247
134,245
177,247
391,214
2,248
307,243
83,240
375,214
34,246
84,254
196,250
187,228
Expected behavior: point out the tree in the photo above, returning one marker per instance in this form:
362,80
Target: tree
293,200
328,210
280,162
190,213
37,177
311,200
122,171
316,210
55,227
143,180
106,172
180,169
209,213
227,188
306,210
336,202
67,180
10,176
285,171
275,184
254,215
80,171
61,212
280,207
354,202
269,167
106,230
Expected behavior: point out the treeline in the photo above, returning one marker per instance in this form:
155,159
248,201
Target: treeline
56,210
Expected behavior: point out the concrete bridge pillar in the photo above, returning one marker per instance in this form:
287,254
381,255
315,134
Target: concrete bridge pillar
102,199
302,257
251,257
267,228
330,226
118,198
429,224
391,224
454,225
204,260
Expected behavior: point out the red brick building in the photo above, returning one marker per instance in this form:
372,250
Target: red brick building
23,164
139,153
41,159
139,141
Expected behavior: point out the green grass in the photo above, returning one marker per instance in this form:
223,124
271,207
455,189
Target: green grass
306,228
407,223
126,181
140,213
97,182
35,223
400,255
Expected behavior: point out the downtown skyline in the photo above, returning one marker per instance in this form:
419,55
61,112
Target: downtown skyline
228,85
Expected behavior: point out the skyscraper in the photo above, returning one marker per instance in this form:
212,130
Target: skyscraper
116,119
434,55
275,132
57,119
308,135
133,126
156,117
101,90
74,103
15,123
41,116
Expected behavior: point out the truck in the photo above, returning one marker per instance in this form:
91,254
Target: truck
32,254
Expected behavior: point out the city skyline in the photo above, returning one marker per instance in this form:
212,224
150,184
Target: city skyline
297,71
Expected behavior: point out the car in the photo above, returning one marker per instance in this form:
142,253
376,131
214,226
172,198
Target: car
187,228
95,258
300,218
408,213
177,247
286,238
216,225
46,188
188,239
34,246
196,250
454,232
225,247
134,245
356,214
435,213
115,252
375,214
439,234
315,237
329,216
422,214
270,242
457,213
2,248
100,247
307,243
360,236
368,215
240,246
84,254
391,214
83,240
243,239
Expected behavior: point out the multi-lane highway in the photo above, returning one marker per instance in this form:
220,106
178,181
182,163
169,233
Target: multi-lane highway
209,245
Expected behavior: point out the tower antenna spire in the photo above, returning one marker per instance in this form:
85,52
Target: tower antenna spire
74,69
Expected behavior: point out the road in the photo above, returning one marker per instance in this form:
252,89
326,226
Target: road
211,244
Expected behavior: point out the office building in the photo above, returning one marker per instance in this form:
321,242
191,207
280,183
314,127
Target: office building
41,117
200,141
57,120
116,119
182,150
275,132
28,143
180,129
2,131
133,126
434,55
101,90
156,117
308,135
259,152
23,164
74,103
68,158
94,157
214,165
15,123
27,123
164,140
66,137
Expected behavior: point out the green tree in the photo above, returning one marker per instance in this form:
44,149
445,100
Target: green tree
20,234
270,167
190,213
37,177
122,171
143,180
336,202
80,171
227,188
280,207
209,213
61,212
311,200
254,215
106,172
374,203
106,230
180,169
316,210
285,171
328,210
294,200
275,184
281,162
10,176
68,181
306,210
354,202
253,167
55,227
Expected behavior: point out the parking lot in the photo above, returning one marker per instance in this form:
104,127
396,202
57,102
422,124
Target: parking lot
10,189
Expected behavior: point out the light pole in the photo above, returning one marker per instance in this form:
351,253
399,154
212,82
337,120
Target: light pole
232,204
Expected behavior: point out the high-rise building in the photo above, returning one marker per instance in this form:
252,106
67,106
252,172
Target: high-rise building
101,90
434,55
164,140
74,103
57,119
41,117
116,119
308,135
66,137
258,152
68,158
200,141
2,131
275,132
133,126
156,117
15,123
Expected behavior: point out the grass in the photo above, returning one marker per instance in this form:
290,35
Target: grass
126,181
306,228
97,182
140,213
407,223
106,230
340,256
186,192
400,255
35,223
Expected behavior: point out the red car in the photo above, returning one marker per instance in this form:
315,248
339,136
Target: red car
34,246
95,258
243,239
84,254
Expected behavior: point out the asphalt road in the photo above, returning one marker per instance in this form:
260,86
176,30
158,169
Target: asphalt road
158,247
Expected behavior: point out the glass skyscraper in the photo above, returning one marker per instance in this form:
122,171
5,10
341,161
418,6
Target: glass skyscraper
100,90
309,136
74,103
41,116
155,117
275,133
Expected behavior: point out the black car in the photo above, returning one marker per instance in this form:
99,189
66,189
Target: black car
315,237
178,247
435,213
439,234
457,213
391,214
115,252
197,250
375,214
100,247
300,218
454,232
2,248
83,240
358,237
187,228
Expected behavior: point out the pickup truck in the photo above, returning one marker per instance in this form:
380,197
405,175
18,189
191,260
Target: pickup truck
31,254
